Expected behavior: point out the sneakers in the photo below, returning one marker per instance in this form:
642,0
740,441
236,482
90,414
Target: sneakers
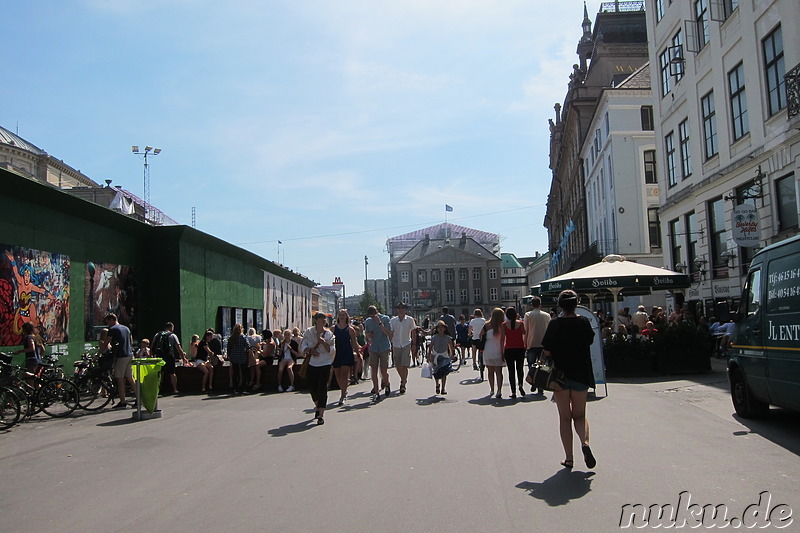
388,390
290,389
280,388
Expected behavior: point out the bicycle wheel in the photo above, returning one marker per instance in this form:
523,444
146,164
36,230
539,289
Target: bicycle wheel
93,393
456,363
58,398
10,408
24,397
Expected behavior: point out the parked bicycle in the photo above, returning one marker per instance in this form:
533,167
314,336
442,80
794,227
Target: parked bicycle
37,393
96,386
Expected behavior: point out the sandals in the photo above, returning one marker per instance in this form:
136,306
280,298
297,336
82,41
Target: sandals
320,421
568,463
588,458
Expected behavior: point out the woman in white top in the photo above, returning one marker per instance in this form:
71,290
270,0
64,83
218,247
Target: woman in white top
493,350
318,344
475,328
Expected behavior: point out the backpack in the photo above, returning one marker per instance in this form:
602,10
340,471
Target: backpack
161,344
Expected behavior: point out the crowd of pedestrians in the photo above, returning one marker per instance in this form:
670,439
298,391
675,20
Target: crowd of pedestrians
349,351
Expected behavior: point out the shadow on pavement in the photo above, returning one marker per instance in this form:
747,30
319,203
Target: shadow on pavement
471,381
780,426
120,422
292,428
431,400
716,377
560,488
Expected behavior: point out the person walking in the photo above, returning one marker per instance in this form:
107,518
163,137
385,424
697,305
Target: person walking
514,350
450,320
493,358
378,331
402,327
346,346
536,322
462,338
440,354
568,340
318,344
475,327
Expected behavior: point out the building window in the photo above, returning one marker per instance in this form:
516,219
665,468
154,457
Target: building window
404,276
659,10
476,274
492,273
449,275
701,22
462,274
476,293
435,275
669,144
464,296
709,125
647,118
607,124
666,77
654,227
692,240
677,56
493,294
686,152
650,167
718,237
422,276
786,189
405,297
675,244
775,69
738,102
449,297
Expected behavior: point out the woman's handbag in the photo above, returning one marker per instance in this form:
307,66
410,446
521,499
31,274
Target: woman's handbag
303,372
544,375
426,370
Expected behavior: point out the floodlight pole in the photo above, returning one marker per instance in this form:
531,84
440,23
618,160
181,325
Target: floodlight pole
148,150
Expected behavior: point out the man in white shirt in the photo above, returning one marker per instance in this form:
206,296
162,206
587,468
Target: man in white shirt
640,318
402,327
536,322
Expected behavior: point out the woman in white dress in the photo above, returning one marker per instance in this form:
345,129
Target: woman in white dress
493,350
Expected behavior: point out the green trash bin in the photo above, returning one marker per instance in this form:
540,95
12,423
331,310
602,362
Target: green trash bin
147,373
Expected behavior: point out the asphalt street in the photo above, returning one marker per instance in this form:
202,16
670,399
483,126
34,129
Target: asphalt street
417,462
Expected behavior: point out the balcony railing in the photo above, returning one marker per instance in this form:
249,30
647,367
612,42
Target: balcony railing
792,79
618,7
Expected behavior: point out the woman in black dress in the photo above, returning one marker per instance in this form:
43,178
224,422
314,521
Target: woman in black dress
568,340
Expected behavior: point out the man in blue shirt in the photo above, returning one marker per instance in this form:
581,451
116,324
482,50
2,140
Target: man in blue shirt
118,340
378,331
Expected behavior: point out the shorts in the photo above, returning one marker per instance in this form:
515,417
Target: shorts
574,385
169,367
466,343
402,356
198,362
122,367
382,357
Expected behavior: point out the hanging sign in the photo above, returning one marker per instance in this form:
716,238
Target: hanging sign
745,224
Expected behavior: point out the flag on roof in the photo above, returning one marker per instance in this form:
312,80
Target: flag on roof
447,208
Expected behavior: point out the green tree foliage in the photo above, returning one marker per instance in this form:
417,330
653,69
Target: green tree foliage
367,299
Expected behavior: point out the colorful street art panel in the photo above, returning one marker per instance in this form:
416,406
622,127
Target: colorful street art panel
110,288
34,287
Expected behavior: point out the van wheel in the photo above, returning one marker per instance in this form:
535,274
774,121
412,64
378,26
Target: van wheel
746,406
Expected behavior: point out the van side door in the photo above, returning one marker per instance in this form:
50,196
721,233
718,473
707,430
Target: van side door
748,343
782,324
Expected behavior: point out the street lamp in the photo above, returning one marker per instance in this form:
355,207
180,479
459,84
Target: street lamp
148,150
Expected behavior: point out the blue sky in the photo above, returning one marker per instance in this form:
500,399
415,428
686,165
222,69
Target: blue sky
327,125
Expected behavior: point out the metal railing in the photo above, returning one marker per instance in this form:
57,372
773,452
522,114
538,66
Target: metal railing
618,7
792,80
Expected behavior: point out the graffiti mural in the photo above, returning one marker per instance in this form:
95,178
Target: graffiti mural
110,288
34,287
